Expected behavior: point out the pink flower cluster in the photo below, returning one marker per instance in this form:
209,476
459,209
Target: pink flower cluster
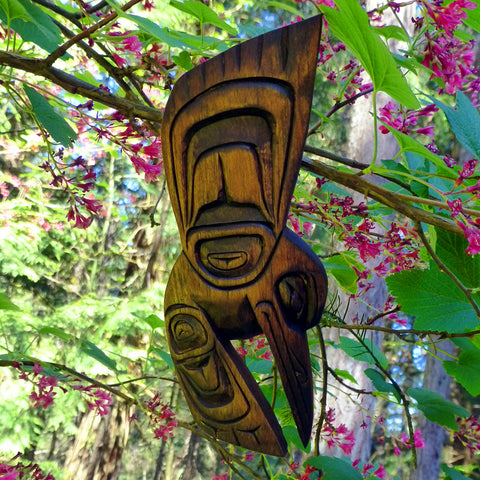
46,388
396,246
367,470
256,347
161,415
129,44
337,436
468,433
404,441
43,387
449,58
97,399
76,186
406,121
13,180
136,141
19,470
469,225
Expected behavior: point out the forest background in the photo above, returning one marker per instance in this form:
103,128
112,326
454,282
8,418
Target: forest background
388,197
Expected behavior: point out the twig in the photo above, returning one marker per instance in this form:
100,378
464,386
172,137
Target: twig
323,401
60,51
337,107
404,399
222,451
336,158
143,377
350,387
81,376
400,333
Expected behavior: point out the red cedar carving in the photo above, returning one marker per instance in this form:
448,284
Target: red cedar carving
233,134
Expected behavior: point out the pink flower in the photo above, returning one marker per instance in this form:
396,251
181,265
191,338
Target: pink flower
132,44
4,192
153,150
220,477
472,234
8,472
455,206
380,472
37,369
151,171
121,62
148,5
308,228
418,440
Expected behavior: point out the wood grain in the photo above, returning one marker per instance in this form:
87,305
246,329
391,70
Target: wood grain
233,134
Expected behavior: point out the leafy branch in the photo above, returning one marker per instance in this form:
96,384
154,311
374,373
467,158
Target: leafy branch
380,194
76,86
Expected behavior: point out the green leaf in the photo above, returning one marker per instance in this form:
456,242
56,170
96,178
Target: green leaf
344,274
14,9
434,299
53,123
345,375
409,144
452,474
437,409
94,352
260,366
165,356
350,24
172,37
154,321
183,60
6,304
57,332
465,122
451,250
204,14
380,384
356,350
466,371
473,20
391,31
292,437
41,29
287,7
334,468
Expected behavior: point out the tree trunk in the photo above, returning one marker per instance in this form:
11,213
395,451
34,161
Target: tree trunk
99,445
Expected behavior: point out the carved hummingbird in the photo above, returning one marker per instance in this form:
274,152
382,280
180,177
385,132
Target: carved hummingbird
233,135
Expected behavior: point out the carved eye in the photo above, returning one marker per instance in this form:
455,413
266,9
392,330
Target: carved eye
292,290
187,333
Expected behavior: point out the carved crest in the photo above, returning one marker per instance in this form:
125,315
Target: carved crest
233,135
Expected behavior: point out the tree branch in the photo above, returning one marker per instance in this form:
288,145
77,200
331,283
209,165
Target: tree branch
386,197
73,85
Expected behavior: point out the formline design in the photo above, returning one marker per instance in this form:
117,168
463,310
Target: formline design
233,134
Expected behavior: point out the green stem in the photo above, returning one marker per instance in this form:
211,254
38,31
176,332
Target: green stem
375,129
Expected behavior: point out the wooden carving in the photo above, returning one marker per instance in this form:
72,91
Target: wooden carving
233,134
